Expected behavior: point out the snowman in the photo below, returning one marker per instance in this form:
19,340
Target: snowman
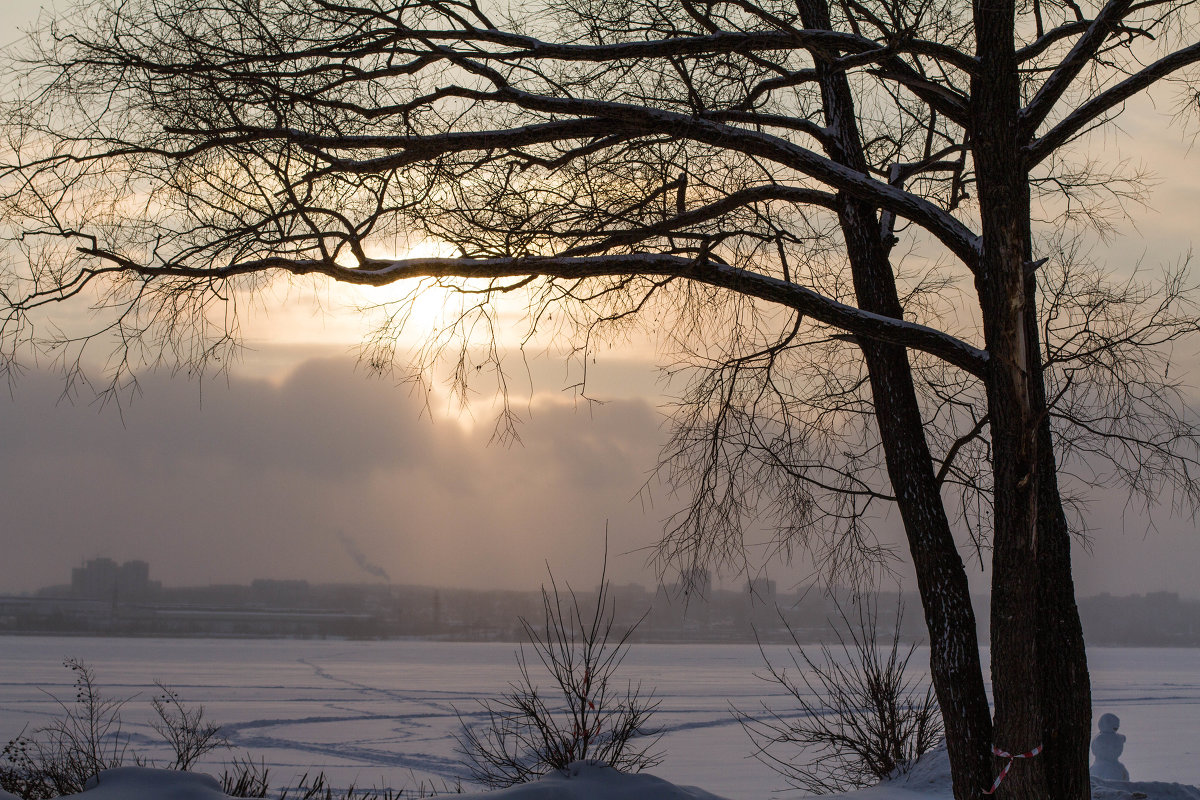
1107,748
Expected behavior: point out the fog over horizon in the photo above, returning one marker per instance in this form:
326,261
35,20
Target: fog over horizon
330,475
295,478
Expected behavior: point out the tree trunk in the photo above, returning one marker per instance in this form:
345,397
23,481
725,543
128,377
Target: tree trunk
1003,193
941,578
1065,685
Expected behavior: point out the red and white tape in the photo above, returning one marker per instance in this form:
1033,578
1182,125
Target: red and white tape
996,751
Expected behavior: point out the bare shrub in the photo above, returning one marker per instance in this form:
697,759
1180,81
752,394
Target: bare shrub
63,755
60,757
184,728
858,719
19,773
524,734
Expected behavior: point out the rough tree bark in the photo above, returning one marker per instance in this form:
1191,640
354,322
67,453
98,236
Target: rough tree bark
1064,685
1003,189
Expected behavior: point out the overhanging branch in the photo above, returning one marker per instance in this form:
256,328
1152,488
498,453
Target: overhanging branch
381,272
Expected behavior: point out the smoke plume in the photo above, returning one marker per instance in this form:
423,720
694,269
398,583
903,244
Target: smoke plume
360,558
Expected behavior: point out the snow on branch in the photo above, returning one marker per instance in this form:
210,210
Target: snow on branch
381,272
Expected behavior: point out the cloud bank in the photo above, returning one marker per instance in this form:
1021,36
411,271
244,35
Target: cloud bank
276,479
329,475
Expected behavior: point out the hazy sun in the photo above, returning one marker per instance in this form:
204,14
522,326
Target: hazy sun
419,309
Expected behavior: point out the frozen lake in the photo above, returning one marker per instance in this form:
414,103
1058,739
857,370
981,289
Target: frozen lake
383,713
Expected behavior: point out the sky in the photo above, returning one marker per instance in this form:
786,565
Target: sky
297,464
269,478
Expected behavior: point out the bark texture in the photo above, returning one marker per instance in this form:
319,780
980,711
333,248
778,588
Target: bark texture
1003,193
1064,684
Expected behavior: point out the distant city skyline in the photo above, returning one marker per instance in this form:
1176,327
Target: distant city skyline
109,598
230,481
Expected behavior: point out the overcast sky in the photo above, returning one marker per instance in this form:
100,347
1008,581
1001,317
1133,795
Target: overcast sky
300,461
266,478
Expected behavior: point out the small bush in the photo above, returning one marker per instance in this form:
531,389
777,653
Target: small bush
860,720
184,728
526,734
60,757
19,773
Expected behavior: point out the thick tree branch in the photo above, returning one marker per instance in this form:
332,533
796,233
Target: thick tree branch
381,272
1051,37
1068,69
1039,149
601,118
402,40
757,194
947,102
829,42
762,120
943,225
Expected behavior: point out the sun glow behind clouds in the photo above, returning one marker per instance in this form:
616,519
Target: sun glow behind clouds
328,314
399,330
418,314
422,307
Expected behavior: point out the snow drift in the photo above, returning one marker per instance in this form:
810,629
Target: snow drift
928,780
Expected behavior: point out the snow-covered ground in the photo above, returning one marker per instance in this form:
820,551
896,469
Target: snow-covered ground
383,713
929,780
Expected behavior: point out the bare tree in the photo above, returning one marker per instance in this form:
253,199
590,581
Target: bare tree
809,192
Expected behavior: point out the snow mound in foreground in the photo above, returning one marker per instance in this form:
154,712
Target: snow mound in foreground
581,781
929,776
144,783
1142,790
929,779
